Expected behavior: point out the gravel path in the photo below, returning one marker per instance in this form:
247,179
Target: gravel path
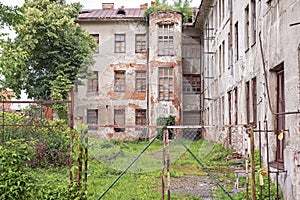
193,185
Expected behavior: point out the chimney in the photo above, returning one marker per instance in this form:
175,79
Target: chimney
152,3
107,6
121,11
144,6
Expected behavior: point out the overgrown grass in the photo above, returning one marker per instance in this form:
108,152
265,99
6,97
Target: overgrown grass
143,180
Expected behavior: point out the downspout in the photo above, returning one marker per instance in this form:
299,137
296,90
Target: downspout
147,75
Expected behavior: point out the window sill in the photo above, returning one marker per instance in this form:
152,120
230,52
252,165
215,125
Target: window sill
277,165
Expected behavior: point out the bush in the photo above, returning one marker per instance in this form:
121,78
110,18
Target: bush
15,180
49,139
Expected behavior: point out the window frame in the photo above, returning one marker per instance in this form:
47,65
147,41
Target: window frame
120,44
90,121
165,39
247,28
194,86
140,81
140,45
141,117
121,114
253,21
236,40
93,83
120,83
162,78
96,37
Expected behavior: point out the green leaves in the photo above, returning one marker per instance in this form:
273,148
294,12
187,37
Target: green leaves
182,6
52,50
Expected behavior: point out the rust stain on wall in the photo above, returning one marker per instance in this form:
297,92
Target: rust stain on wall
134,106
138,96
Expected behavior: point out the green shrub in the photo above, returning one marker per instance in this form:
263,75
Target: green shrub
15,180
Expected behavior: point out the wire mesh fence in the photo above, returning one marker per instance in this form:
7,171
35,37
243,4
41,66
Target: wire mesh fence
182,166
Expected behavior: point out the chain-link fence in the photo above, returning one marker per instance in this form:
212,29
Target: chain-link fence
175,163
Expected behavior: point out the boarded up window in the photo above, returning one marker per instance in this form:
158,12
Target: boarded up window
119,120
166,83
120,81
92,119
166,40
140,43
93,83
191,83
119,43
140,81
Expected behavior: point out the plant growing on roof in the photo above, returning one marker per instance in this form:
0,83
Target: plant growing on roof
182,6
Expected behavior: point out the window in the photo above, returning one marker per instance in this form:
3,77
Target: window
236,40
96,38
191,83
223,56
246,28
229,116
220,59
236,106
140,43
140,117
222,111
253,27
191,47
165,76
140,81
220,12
166,40
254,101
120,81
229,54
280,119
119,120
223,9
93,83
247,96
119,43
92,119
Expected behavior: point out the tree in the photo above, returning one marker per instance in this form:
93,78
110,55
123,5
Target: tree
183,6
57,51
9,15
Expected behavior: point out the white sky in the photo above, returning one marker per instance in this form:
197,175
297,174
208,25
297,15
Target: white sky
93,4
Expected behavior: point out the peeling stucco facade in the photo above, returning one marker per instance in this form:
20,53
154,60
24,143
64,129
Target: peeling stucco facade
106,100
240,38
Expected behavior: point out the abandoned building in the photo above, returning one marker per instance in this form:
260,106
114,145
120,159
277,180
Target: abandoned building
236,63
146,68
251,74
